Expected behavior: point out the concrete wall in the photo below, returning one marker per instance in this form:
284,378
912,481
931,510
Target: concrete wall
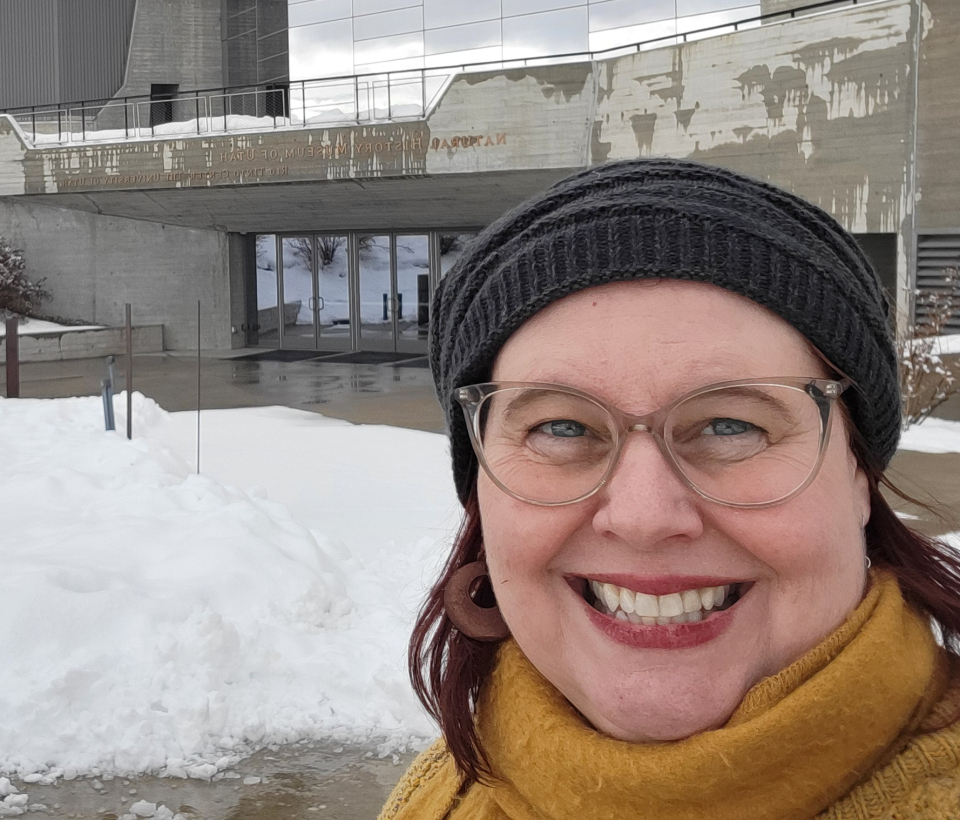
93,265
938,118
174,41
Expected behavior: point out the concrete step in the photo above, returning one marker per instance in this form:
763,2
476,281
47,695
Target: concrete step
66,344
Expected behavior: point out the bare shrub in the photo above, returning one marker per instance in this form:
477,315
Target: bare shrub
926,381
327,247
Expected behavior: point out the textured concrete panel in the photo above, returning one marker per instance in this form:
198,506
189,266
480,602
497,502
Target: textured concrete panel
938,118
795,104
94,264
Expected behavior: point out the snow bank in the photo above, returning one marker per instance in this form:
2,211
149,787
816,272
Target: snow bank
932,436
34,327
154,620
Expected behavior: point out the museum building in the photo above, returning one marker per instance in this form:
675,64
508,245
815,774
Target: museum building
309,170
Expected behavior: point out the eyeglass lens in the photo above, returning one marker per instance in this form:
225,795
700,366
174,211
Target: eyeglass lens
745,444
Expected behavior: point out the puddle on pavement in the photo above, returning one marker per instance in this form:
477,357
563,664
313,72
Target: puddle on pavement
320,780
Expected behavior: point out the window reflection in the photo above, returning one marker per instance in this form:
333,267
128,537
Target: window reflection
388,23
318,11
462,38
437,13
552,32
267,314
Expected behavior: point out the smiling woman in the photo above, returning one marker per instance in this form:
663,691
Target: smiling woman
677,591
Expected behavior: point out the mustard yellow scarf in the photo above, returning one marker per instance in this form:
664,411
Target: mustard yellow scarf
839,734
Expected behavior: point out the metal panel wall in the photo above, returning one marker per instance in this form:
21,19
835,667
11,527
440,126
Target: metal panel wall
29,59
93,43
55,51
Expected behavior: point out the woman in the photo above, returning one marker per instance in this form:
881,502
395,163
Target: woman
672,393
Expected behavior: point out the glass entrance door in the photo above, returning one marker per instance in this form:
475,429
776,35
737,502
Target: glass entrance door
315,292
394,291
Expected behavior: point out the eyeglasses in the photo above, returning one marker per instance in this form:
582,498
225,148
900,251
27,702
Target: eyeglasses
745,443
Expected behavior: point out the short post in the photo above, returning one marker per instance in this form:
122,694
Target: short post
13,357
386,306
129,372
106,387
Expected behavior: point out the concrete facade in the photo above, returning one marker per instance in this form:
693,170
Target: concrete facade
829,105
94,265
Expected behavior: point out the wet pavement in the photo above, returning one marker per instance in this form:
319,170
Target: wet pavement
325,780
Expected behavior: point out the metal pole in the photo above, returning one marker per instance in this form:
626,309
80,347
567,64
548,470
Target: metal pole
198,383
13,357
129,371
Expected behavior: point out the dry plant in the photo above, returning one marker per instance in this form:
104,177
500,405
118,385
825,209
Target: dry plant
926,381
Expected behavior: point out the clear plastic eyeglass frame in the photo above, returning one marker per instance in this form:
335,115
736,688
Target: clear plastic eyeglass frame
824,392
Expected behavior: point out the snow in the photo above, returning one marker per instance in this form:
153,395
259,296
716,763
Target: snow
36,327
948,345
154,620
932,436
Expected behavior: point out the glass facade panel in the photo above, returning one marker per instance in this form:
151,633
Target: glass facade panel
318,11
451,246
374,6
493,55
614,37
687,7
438,13
298,294
387,23
267,314
413,286
462,38
376,302
321,50
383,49
621,13
717,18
333,276
552,32
511,8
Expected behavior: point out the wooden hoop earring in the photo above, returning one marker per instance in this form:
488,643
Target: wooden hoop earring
475,621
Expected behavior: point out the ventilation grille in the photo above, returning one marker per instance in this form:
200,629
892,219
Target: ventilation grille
935,253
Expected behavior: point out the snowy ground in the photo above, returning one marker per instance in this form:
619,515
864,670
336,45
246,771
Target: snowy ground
34,327
154,620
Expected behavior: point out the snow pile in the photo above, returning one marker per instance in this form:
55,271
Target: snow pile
37,327
932,436
154,620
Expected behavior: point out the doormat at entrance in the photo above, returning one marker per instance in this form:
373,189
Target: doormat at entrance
370,357
281,356
420,361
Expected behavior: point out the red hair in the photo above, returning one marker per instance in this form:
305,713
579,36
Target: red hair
447,668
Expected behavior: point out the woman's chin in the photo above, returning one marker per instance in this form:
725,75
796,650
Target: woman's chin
661,717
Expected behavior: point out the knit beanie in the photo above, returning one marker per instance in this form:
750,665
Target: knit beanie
667,219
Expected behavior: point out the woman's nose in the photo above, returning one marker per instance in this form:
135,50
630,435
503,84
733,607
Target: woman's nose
645,502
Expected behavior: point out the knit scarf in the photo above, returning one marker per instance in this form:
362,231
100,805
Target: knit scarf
798,743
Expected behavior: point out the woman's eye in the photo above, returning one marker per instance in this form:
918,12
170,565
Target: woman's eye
728,427
563,428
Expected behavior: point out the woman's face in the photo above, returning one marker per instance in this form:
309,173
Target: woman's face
638,346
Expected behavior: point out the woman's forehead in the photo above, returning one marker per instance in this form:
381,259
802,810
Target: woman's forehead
668,334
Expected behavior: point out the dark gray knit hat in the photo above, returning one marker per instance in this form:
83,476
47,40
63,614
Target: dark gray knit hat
667,219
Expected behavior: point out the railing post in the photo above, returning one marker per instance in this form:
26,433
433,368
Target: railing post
13,357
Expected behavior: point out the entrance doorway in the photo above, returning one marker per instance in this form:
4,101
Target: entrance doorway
356,290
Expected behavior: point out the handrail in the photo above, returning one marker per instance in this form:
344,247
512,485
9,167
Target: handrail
363,100
519,63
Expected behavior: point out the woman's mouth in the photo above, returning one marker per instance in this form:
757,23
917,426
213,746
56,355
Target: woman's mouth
688,612
687,606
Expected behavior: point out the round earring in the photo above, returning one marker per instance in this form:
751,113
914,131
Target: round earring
475,621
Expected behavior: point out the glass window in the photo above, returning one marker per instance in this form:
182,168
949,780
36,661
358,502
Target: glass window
272,45
321,50
318,11
615,37
688,7
462,38
413,286
619,13
333,304
374,6
386,49
376,307
451,246
298,295
551,32
271,17
438,13
717,18
387,23
512,8
267,316
493,54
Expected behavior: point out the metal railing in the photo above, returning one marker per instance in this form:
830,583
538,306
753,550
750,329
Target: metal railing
390,96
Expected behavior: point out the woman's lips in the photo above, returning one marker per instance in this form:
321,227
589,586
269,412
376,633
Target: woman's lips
705,623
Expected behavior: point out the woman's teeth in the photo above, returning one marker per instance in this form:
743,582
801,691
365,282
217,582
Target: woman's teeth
689,606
